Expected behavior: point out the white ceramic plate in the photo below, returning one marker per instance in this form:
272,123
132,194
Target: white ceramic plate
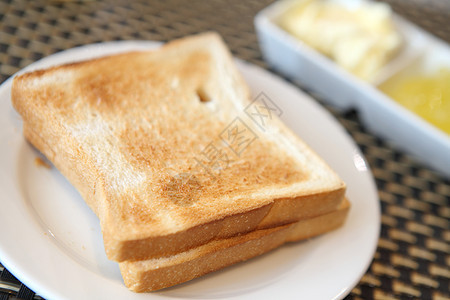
52,241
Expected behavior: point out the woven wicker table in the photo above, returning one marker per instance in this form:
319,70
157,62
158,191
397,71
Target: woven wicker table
413,255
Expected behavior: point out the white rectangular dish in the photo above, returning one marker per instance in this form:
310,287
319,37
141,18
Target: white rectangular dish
380,114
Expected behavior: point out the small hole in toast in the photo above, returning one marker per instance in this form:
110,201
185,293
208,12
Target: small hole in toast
203,95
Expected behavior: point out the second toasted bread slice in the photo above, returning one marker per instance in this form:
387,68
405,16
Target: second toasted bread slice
154,274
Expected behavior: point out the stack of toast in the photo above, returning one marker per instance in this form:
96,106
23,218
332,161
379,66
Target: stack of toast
186,173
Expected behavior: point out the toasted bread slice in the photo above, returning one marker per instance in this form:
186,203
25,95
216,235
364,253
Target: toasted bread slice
154,274
135,133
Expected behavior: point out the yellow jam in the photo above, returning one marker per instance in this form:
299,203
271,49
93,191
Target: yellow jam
426,95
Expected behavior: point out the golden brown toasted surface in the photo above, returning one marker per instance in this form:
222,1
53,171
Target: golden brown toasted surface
280,212
139,134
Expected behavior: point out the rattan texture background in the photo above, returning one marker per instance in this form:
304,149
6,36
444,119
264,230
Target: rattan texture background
413,256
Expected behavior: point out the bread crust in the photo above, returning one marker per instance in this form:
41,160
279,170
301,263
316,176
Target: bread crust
152,226
278,213
151,275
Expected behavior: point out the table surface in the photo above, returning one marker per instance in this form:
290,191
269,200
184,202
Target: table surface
412,259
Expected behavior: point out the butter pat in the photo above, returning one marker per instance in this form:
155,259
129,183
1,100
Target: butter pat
358,35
